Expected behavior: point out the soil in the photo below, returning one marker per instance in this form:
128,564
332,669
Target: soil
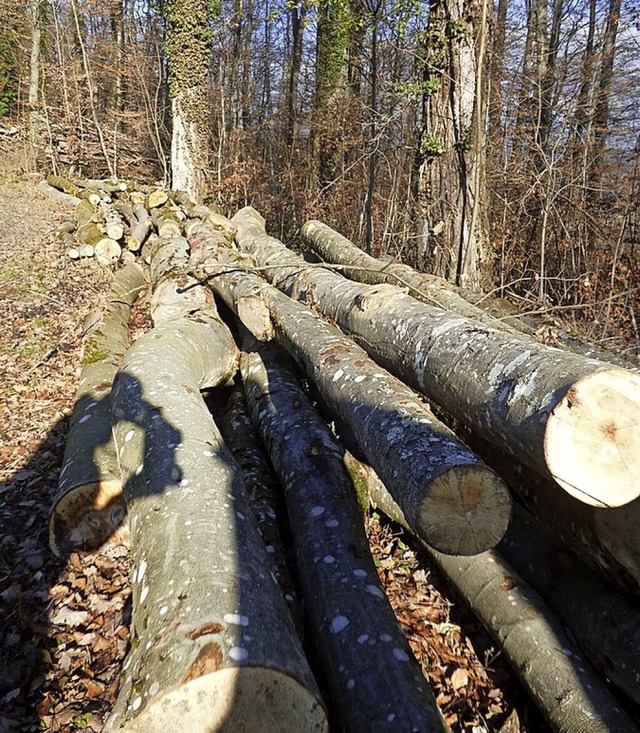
64,624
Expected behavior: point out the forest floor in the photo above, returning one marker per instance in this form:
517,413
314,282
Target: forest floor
64,623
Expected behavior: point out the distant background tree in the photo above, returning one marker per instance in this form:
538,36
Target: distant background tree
188,49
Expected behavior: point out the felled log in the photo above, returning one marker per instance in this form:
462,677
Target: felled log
244,295
175,293
264,491
168,218
433,290
157,198
57,195
566,689
140,229
374,682
452,500
604,623
85,212
113,225
566,416
89,507
68,187
213,646
106,250
357,265
607,539
109,185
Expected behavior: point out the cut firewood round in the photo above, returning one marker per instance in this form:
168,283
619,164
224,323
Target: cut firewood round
592,438
107,251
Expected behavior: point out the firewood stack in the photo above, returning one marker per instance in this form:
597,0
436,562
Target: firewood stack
394,361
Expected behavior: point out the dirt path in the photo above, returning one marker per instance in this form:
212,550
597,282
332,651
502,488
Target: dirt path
63,626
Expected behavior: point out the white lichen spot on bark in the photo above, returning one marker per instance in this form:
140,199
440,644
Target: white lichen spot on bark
338,624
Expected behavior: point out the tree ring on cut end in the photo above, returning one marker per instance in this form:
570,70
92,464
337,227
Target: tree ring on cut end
592,438
465,510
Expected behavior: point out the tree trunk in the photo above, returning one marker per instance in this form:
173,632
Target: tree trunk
298,14
374,681
213,644
452,501
568,692
57,195
432,290
603,92
64,184
38,10
450,156
88,507
568,417
605,624
113,224
607,539
332,42
264,492
188,56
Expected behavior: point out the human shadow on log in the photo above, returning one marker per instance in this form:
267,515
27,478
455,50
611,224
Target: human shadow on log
63,620
213,644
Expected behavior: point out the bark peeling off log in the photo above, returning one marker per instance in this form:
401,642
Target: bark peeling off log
375,683
511,388
214,647
451,498
89,506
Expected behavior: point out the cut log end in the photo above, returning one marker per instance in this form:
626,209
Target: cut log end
466,511
241,698
87,516
592,438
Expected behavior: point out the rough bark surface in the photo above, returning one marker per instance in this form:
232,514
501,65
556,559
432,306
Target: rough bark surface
214,647
89,505
451,499
571,418
375,683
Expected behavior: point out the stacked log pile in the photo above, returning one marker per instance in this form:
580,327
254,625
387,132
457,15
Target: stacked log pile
395,366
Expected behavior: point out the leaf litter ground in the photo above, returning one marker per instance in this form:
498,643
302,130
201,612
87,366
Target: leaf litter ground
64,625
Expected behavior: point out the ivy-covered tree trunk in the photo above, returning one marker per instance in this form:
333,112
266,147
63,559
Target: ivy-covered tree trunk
334,18
188,55
450,157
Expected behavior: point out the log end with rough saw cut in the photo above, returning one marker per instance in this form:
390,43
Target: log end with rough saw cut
466,510
592,438
255,699
87,516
